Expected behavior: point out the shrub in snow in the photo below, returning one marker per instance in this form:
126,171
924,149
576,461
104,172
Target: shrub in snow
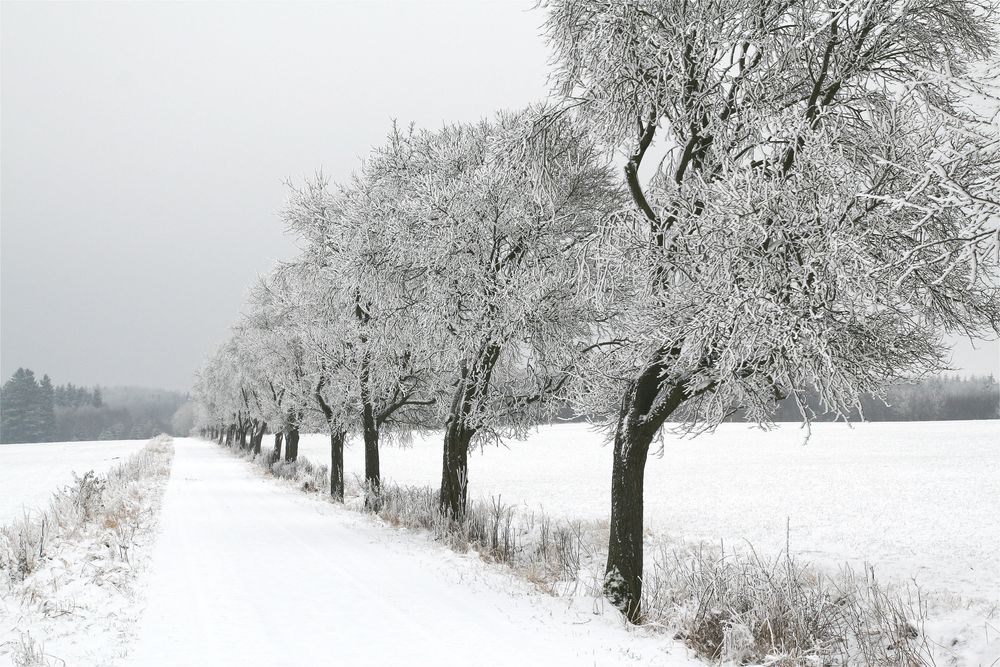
71,565
743,609
526,541
108,506
307,475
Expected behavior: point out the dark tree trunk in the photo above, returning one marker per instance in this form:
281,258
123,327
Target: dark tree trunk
370,429
623,582
648,403
277,445
472,389
455,469
337,465
258,436
369,426
292,444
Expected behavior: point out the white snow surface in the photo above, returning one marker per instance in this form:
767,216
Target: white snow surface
916,500
31,472
250,571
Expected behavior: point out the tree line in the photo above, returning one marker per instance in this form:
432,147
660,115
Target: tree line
943,398
933,399
34,410
819,215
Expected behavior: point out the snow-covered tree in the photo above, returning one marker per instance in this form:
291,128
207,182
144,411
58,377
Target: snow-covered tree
215,393
305,359
484,242
819,218
359,313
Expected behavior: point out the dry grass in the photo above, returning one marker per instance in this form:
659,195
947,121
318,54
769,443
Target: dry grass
740,608
26,652
110,503
547,553
74,558
310,477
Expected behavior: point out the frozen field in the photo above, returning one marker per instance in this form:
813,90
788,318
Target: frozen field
916,500
29,473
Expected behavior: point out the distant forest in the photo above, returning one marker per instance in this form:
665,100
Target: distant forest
34,410
942,398
936,399
37,411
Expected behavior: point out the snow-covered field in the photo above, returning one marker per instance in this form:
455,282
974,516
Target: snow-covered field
29,473
915,500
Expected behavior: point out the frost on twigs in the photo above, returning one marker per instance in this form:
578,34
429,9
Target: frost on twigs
820,213
822,206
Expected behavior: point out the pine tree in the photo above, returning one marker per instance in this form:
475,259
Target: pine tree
45,410
18,417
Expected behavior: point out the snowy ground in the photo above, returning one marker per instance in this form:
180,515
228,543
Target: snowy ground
76,600
916,500
249,571
29,473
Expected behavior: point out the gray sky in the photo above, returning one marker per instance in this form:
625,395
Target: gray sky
144,146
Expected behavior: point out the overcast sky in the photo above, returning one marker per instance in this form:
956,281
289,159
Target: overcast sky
144,146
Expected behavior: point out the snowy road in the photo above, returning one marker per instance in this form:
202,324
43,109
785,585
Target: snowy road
249,572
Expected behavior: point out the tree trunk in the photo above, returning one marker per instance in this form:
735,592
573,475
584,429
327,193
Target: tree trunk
337,465
370,429
650,400
455,469
292,444
623,578
277,445
258,436
472,388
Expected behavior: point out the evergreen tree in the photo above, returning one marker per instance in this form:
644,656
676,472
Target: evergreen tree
18,415
44,409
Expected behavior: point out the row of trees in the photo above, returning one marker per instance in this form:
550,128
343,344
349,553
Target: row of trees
71,396
819,212
36,411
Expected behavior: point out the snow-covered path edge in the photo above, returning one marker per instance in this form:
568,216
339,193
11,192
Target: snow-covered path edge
80,604
251,571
